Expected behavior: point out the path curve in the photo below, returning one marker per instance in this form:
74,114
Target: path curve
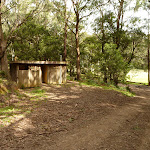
75,117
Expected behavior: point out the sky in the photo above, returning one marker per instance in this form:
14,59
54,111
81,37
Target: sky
127,16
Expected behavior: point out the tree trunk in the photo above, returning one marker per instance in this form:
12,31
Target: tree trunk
105,77
77,47
65,35
103,32
3,46
132,55
3,60
77,11
103,45
118,36
120,13
115,79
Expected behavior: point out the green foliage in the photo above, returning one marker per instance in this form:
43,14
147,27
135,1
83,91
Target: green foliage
3,74
35,42
38,91
124,90
109,64
108,54
8,109
113,51
114,61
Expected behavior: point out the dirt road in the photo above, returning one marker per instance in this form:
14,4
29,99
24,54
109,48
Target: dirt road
74,117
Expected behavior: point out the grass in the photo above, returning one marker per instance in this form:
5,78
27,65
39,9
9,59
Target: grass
124,90
8,109
38,91
27,101
9,114
138,76
37,94
135,76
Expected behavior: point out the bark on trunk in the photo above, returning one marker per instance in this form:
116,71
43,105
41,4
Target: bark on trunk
120,13
3,46
132,55
3,57
77,48
115,79
103,32
77,11
103,45
105,77
65,35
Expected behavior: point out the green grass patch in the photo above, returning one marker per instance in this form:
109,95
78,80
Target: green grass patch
9,114
9,109
27,100
19,94
37,90
138,76
1,104
1,80
35,93
124,90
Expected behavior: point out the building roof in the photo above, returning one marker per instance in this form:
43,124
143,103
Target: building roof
39,62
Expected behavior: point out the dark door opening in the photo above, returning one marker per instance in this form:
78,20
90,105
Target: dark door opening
44,73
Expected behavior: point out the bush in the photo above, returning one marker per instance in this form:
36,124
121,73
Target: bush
112,64
3,74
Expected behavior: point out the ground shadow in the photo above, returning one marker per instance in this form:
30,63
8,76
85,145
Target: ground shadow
54,111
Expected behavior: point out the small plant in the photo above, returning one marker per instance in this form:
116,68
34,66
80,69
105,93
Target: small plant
136,127
9,109
22,86
38,91
124,90
71,119
1,125
128,89
19,94
3,74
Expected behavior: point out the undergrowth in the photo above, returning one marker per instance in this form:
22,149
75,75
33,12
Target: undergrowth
108,86
24,102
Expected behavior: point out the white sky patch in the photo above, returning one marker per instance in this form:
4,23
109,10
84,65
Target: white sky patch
130,13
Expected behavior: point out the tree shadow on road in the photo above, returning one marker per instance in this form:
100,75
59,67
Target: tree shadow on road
43,115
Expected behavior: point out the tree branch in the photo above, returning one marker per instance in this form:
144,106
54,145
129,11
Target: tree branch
71,30
85,16
103,4
2,4
7,10
83,7
74,6
20,24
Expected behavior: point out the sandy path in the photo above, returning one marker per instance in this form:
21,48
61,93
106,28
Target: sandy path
84,118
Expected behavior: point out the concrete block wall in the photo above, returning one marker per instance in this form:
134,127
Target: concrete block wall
30,78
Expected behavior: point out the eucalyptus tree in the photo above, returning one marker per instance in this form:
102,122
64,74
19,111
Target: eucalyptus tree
36,42
145,4
65,30
103,27
13,14
62,13
109,29
80,8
